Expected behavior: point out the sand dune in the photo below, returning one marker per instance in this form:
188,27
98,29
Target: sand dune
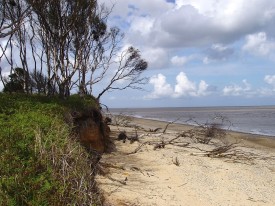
177,175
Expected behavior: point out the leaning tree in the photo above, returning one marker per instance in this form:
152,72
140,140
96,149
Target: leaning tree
70,43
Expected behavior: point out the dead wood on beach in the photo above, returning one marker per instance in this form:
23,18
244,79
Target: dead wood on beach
210,134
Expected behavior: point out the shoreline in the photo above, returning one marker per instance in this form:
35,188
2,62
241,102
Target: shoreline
247,138
256,120
193,125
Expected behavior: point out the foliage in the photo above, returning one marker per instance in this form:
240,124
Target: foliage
15,82
66,45
40,164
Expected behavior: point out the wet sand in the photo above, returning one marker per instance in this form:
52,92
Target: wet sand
178,175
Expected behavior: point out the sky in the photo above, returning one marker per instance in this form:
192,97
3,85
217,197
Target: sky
200,52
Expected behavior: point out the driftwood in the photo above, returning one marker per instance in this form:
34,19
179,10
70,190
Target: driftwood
232,154
216,152
166,127
123,182
161,144
203,134
155,130
134,138
139,147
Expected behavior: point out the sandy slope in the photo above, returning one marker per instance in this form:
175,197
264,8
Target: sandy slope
152,178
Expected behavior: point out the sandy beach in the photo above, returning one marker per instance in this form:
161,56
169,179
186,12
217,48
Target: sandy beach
186,171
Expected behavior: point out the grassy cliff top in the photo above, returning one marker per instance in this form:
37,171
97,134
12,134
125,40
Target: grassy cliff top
40,162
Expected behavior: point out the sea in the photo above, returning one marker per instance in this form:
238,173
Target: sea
253,119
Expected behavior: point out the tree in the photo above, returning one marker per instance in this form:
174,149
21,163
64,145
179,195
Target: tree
12,16
68,44
37,82
67,28
15,83
130,67
110,62
9,23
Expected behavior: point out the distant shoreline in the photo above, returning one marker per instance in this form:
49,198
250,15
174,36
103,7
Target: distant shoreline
194,125
195,107
247,138
258,120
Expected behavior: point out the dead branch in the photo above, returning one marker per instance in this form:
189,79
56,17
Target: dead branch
216,152
137,169
208,131
123,182
155,130
161,144
232,154
134,138
139,147
166,127
109,165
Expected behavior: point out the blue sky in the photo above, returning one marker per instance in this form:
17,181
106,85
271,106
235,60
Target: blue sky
200,52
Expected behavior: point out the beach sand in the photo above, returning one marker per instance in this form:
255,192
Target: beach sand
183,175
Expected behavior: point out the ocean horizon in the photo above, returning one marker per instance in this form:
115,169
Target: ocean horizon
248,119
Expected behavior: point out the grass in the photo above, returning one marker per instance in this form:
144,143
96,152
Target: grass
40,162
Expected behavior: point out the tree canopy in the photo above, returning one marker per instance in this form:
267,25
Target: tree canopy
65,46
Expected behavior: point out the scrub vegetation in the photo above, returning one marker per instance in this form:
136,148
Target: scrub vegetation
41,161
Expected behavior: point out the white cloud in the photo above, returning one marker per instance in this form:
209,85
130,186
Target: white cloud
218,52
206,60
203,89
141,25
127,9
161,87
259,44
246,90
269,79
192,23
157,57
238,90
181,60
183,87
220,21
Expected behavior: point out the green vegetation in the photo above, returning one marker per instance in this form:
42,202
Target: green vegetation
40,162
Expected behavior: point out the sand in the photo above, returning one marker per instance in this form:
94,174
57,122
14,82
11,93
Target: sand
177,175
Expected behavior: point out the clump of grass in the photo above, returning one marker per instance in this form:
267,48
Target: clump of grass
40,163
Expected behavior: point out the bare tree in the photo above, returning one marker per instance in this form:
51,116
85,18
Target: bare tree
130,68
69,45
67,28
12,17
121,69
9,22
